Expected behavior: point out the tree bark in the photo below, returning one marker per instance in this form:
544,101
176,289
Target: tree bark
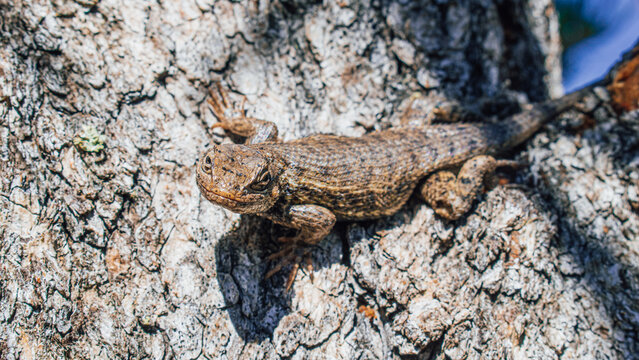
107,249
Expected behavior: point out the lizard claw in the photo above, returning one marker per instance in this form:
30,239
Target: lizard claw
220,104
230,118
288,256
509,163
309,266
292,275
281,254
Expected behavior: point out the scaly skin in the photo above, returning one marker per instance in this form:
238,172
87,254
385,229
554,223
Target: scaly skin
310,183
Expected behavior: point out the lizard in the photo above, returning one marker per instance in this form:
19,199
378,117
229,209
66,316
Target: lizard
310,183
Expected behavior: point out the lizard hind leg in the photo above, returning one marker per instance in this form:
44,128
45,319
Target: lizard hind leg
452,196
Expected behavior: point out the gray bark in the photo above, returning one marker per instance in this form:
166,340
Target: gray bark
107,249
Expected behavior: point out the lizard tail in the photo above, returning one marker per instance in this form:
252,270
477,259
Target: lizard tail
523,125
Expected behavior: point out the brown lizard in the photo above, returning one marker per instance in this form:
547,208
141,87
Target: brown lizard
310,183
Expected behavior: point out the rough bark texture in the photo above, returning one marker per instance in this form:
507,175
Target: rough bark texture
107,249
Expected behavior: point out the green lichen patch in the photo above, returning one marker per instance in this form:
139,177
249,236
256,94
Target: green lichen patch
89,140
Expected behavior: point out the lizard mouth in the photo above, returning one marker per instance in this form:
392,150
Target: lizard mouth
235,204
222,198
212,195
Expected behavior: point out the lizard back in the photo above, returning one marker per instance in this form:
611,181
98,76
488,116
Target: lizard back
373,175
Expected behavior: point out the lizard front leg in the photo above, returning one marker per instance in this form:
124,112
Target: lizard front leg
452,196
314,222
235,120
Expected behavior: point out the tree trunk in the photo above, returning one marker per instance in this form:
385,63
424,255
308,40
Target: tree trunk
108,250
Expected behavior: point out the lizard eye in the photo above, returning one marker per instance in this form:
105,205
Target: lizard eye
261,182
207,164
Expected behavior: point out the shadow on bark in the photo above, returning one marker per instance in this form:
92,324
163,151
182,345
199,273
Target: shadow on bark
256,305
253,304
602,249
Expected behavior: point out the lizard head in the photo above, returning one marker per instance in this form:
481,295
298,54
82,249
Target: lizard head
239,178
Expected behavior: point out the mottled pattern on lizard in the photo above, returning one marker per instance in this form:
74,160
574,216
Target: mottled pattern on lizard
309,183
